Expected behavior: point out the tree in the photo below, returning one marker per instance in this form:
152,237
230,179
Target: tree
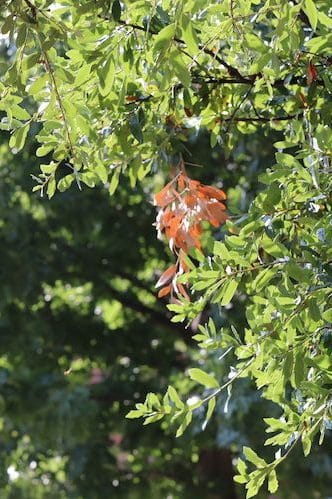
120,90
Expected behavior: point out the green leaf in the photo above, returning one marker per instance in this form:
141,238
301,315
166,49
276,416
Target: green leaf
31,60
173,395
134,414
212,327
106,77
44,150
48,169
327,315
252,490
116,10
51,185
18,138
288,365
254,458
273,247
21,36
66,182
185,423
38,84
312,13
209,412
240,479
180,68
263,278
203,378
89,178
314,310
152,400
135,128
7,25
306,444
163,39
114,180
220,249
102,173
228,291
153,419
241,466
272,482
83,75
298,273
287,160
257,479
255,43
324,19
298,374
189,36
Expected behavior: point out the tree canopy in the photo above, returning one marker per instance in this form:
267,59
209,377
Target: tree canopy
160,100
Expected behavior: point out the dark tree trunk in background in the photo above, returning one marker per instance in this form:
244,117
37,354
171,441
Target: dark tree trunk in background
216,465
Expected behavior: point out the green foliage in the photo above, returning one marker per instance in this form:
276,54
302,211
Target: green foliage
121,89
280,258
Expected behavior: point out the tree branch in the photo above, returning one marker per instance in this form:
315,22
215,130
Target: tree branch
231,70
236,76
58,97
32,7
263,119
250,80
99,276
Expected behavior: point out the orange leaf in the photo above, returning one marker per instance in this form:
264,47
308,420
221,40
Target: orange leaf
164,291
174,226
212,192
182,291
181,181
183,205
193,184
132,98
218,215
303,99
183,264
166,276
164,197
312,73
190,200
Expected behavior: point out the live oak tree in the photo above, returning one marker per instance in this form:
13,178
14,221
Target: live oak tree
119,90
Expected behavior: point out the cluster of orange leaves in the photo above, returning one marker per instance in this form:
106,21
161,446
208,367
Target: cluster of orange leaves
183,205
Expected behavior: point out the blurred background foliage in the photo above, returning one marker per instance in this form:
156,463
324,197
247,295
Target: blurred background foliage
83,338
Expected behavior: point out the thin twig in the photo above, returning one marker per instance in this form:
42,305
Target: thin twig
243,99
231,70
228,383
264,119
57,95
